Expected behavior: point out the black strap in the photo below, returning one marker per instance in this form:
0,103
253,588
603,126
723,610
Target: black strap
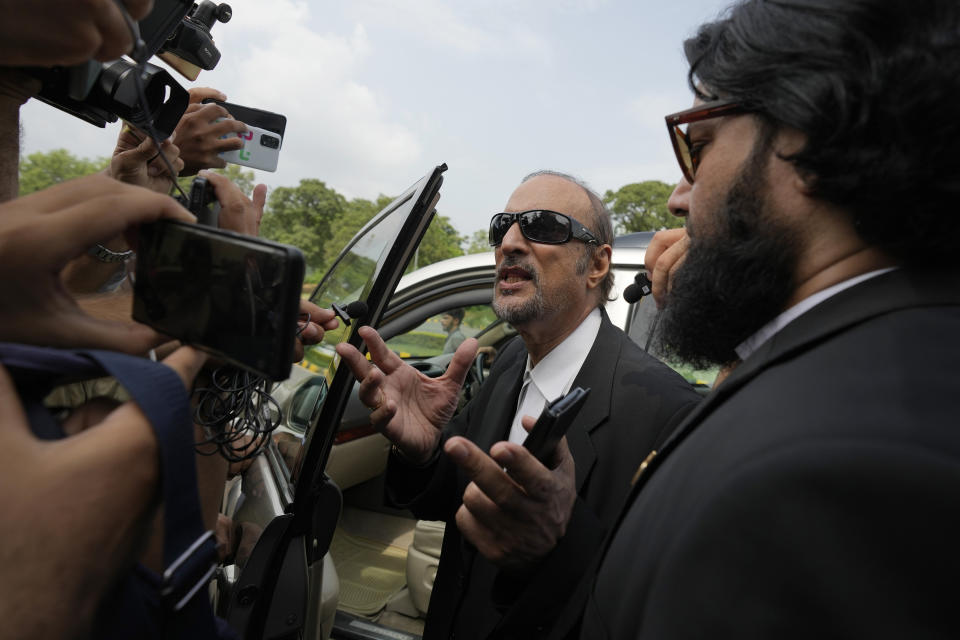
189,553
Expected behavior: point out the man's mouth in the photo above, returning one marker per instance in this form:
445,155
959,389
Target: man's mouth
513,275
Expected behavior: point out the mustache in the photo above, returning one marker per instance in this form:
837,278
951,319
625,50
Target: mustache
511,262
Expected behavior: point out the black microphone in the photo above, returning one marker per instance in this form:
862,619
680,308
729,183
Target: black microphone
352,311
641,287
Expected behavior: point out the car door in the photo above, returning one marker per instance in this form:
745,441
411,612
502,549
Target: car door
284,506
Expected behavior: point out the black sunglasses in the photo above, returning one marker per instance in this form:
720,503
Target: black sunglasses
540,225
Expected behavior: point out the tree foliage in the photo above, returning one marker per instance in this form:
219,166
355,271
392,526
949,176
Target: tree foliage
356,214
304,217
44,169
478,242
441,241
642,206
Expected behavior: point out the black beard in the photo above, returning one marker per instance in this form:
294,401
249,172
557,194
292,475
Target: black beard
734,280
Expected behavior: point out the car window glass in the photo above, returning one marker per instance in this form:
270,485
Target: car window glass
349,280
442,333
642,323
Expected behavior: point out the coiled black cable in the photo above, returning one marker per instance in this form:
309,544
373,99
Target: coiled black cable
237,414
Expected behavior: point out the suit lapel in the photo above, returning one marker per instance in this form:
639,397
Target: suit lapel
502,402
892,291
596,374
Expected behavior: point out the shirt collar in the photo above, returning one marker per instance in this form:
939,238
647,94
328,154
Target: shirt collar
556,371
746,348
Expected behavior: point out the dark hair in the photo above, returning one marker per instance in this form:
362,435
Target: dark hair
601,225
875,87
456,313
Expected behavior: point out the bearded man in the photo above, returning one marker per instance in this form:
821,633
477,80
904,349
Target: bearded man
814,492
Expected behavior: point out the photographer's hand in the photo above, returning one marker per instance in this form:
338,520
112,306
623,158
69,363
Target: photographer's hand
238,212
136,161
45,33
200,136
313,329
111,467
42,232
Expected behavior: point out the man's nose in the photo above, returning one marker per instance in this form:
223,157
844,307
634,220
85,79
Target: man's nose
514,240
679,201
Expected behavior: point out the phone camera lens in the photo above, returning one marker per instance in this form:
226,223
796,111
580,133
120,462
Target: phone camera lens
270,142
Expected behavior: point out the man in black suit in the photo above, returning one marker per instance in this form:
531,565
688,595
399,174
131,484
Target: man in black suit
816,491
519,534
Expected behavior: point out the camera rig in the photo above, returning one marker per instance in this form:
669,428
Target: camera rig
103,92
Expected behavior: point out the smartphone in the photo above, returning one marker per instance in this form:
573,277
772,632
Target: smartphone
202,202
235,296
273,122
260,150
553,423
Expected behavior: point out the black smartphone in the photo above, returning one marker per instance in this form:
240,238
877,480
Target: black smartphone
235,296
553,423
202,202
273,122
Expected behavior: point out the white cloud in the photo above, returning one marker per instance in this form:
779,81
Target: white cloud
478,29
337,128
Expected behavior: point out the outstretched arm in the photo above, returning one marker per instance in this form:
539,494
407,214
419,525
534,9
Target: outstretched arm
42,232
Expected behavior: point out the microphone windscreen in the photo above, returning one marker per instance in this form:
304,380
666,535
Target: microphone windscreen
356,309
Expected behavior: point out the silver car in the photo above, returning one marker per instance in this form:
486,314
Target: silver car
320,555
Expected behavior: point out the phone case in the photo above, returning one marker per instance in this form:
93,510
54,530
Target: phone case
261,149
275,122
233,295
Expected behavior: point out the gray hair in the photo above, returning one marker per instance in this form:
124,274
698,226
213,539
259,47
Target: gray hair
602,226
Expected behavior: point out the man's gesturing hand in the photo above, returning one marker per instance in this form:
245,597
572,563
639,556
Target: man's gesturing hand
409,408
515,517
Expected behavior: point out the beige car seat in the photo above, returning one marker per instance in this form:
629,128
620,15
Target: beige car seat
423,557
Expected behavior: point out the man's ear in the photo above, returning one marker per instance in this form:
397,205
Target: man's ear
599,265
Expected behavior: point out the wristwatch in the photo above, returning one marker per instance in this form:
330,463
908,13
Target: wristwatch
103,254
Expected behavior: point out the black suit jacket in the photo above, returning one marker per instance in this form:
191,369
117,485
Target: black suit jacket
635,402
815,493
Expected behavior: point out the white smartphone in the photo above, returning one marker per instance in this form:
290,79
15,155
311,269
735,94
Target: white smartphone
261,149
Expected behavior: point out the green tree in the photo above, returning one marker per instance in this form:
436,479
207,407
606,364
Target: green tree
479,242
441,241
641,206
357,213
304,217
46,168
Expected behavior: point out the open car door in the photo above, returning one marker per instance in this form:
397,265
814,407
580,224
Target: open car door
284,505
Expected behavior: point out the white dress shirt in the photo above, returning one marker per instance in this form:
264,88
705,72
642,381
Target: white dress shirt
746,348
554,374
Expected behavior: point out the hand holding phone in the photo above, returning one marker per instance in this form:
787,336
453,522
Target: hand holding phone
232,295
262,141
260,150
553,423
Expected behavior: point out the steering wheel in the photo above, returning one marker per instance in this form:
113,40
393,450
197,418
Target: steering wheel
471,384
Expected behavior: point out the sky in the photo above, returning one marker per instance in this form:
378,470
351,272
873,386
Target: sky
377,92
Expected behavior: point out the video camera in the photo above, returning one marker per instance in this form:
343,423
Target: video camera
177,30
